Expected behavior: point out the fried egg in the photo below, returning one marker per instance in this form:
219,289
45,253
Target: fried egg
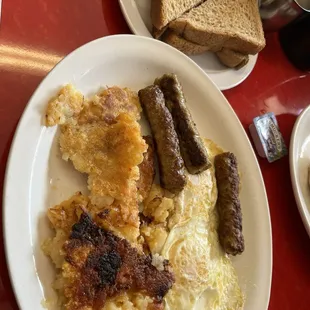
205,276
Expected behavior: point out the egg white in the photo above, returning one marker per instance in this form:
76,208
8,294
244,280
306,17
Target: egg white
205,276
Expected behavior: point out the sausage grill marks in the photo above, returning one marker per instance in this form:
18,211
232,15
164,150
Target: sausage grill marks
175,133
193,151
171,164
228,203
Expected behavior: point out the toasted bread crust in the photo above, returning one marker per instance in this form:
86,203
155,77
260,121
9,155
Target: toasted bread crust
216,39
214,33
243,63
232,59
158,33
164,11
186,47
157,17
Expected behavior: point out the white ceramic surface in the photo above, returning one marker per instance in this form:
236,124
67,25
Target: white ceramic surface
137,15
299,165
0,9
37,177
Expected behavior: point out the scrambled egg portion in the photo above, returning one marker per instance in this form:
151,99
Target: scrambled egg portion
102,138
157,206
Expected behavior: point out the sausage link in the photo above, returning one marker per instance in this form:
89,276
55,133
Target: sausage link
193,151
228,203
171,165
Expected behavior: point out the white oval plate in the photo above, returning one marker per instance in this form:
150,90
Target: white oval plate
299,163
37,177
137,15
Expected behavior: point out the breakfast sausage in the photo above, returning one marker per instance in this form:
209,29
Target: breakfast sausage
192,148
228,203
171,165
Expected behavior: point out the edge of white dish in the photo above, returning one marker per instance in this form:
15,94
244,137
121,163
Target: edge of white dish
294,154
14,163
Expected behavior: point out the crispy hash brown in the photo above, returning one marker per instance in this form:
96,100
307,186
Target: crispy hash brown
98,265
62,218
147,169
67,105
96,268
70,105
103,139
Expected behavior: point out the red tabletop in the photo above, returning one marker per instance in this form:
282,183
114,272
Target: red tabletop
36,34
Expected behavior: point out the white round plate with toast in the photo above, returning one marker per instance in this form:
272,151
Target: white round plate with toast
28,190
137,15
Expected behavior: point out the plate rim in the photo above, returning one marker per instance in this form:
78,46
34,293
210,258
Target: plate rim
294,179
6,210
124,4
